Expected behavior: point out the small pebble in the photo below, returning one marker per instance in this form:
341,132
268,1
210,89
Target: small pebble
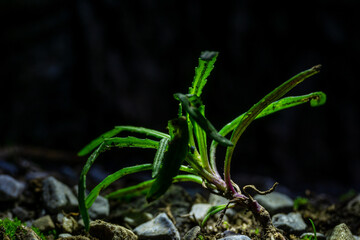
57,196
319,236
192,233
69,224
341,232
199,210
354,205
100,208
64,235
161,228
44,223
275,202
216,200
291,222
236,237
107,231
10,188
21,213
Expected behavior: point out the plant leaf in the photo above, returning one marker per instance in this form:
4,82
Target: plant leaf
159,157
97,141
82,185
112,178
206,65
212,211
131,142
315,98
175,155
143,186
195,115
255,110
105,145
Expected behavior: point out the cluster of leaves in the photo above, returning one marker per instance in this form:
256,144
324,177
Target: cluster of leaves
10,227
185,148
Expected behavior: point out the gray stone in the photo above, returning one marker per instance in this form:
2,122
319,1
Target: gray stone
134,217
10,188
100,208
64,235
354,205
341,232
21,213
107,231
57,196
291,222
236,237
199,210
275,202
319,236
161,228
216,200
44,223
192,233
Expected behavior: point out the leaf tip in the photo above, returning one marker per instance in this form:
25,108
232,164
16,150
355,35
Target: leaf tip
316,68
208,55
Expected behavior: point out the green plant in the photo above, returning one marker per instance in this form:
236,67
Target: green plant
300,201
12,226
185,148
309,237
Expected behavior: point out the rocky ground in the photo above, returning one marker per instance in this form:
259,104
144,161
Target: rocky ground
46,199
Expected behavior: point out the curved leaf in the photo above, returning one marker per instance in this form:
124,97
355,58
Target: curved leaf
112,178
97,141
255,110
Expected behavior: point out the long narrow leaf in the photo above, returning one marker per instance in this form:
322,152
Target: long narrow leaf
105,145
142,187
96,142
159,157
315,99
132,190
212,211
206,65
255,110
175,155
199,118
82,185
131,142
201,140
112,178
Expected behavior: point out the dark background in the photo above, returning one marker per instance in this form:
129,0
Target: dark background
72,70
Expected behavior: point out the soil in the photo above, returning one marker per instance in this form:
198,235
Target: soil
325,211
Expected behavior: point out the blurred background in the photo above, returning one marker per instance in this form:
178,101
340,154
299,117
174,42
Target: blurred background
72,70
